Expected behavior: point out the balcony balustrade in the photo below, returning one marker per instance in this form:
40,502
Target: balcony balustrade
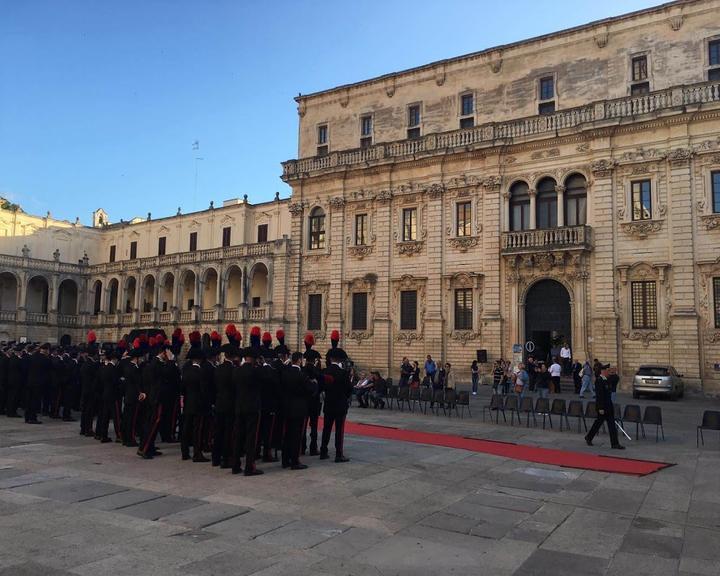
566,238
257,314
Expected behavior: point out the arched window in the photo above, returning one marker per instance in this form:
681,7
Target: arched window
519,207
546,210
317,229
575,200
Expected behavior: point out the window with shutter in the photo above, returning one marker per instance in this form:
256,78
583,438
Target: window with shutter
644,304
314,312
463,309
408,310
359,311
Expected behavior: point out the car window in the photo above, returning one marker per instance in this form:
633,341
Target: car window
652,371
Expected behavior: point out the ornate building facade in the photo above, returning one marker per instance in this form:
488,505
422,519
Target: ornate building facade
562,188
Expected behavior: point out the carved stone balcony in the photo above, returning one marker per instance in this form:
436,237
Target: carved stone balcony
551,239
592,115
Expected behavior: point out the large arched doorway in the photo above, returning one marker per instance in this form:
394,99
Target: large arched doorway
8,291
67,297
548,321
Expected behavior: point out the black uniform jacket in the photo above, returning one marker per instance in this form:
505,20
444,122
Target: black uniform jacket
195,390
39,370
336,384
248,380
224,389
297,389
603,400
88,374
109,378
158,380
133,382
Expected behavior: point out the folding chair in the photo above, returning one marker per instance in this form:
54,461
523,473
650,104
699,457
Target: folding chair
653,415
591,413
710,421
451,402
414,398
392,395
438,401
558,409
632,414
542,406
512,405
425,398
463,400
575,410
496,403
526,407
403,397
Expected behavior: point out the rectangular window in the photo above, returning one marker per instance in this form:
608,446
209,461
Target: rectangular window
112,253
133,250
463,215
359,311
193,241
547,88
468,122
360,229
463,309
714,53
640,89
715,185
262,233
314,316
714,74
413,123
317,230
255,302
162,242
716,300
644,304
467,105
641,200
366,130
639,68
227,231
322,140
409,224
408,310
546,108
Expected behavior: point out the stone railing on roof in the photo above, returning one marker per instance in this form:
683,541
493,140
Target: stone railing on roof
491,134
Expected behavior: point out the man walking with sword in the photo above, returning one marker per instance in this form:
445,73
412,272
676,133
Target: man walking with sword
605,410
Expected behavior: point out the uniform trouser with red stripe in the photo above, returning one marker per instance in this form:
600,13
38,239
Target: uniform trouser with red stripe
130,421
337,419
222,447
292,441
110,410
152,424
312,419
192,433
245,434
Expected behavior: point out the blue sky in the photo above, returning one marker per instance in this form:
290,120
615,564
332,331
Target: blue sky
101,101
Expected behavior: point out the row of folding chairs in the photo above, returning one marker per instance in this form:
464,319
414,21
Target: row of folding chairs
425,399
518,407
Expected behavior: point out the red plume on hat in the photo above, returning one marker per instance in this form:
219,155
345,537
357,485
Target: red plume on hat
152,341
267,337
255,336
232,334
280,335
215,336
137,343
91,337
255,331
309,339
334,338
195,338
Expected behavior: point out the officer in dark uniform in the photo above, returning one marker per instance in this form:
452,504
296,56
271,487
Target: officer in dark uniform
157,380
132,387
209,364
224,407
280,363
248,380
39,370
70,384
109,379
337,387
605,410
313,369
14,381
194,406
269,400
297,389
88,400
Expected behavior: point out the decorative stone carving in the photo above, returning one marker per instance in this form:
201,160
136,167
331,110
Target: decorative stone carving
440,75
676,21
641,228
464,336
710,221
358,335
464,243
408,337
302,108
384,196
601,38
492,182
495,61
296,208
584,147
645,336
463,181
551,153
360,252
410,248
400,285
390,86
337,202
680,156
435,191
603,168
345,97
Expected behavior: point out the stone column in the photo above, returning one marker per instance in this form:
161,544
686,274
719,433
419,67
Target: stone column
492,282
434,291
560,190
22,297
533,208
506,211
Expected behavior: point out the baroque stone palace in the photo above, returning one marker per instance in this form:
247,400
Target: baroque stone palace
561,188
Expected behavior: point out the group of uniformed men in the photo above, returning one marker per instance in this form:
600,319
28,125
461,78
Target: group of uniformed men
237,403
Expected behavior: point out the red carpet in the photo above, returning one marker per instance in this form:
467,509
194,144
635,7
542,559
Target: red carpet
535,454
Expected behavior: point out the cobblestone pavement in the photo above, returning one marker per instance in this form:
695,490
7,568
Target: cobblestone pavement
71,506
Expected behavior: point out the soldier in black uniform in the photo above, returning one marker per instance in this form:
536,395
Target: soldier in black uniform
157,381
132,387
88,401
194,406
109,379
39,370
269,399
280,363
248,383
338,390
209,364
313,370
605,410
224,407
3,378
70,384
297,389
14,382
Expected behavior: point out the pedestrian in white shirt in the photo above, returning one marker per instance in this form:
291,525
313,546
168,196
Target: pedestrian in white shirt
555,371
565,356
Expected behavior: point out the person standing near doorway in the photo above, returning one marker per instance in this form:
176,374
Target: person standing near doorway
605,410
565,356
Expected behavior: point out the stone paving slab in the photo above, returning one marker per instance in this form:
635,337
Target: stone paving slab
544,562
122,499
32,569
70,489
204,515
159,507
